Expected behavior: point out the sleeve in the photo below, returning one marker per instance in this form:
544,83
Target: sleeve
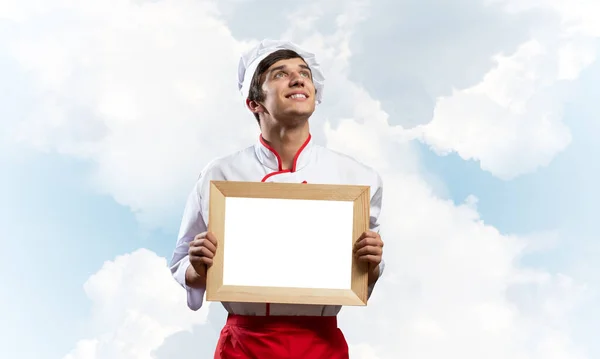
374,223
192,224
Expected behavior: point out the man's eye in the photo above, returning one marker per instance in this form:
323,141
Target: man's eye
279,74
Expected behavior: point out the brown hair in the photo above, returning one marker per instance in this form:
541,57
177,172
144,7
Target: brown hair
255,92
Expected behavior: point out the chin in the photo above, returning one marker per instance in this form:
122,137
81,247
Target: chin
305,110
294,118
299,113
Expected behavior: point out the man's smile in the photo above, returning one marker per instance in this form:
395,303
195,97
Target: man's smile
298,95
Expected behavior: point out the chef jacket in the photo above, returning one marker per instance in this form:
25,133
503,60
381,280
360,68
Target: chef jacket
312,164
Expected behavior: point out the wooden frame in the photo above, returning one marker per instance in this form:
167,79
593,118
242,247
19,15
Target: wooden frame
356,200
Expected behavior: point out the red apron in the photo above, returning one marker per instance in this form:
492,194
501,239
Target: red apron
279,337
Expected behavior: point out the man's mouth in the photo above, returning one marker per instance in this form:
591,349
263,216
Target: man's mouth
298,96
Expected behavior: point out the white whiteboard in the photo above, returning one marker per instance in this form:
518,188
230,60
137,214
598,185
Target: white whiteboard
296,243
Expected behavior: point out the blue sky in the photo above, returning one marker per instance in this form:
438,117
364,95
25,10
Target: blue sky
66,210
560,198
65,231
557,197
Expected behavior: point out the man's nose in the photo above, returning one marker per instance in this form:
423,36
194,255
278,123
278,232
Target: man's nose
296,80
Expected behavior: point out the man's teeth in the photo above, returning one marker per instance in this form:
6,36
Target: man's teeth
298,96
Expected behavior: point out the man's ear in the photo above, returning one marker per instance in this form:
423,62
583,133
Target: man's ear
254,106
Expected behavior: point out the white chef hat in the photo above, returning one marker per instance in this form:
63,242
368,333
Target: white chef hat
250,59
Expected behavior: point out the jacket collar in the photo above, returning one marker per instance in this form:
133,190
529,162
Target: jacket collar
270,158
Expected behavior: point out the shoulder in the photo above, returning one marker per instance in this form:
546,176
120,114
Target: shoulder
217,168
350,167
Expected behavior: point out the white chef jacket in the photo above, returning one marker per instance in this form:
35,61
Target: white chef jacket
312,164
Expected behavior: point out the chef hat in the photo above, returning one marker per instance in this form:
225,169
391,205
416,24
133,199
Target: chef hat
250,59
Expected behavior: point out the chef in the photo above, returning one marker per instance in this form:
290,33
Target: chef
281,84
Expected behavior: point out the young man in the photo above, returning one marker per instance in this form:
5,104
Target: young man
281,85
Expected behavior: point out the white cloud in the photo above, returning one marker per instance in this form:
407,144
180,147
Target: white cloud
144,90
511,121
454,286
136,305
362,351
147,92
508,121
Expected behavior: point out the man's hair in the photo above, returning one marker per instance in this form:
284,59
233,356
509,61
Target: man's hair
255,92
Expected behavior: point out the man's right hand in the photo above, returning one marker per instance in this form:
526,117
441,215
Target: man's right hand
202,251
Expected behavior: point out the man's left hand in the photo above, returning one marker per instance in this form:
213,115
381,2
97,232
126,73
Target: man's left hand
369,248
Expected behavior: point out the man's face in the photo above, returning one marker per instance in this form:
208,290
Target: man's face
289,90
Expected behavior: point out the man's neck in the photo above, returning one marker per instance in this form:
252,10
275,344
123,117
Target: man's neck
286,142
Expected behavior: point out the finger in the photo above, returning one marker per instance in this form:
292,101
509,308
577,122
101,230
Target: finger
201,252
212,239
370,259
209,245
204,242
369,250
196,242
194,252
369,234
200,236
368,241
359,244
198,252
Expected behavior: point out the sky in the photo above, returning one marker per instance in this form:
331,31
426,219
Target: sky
480,115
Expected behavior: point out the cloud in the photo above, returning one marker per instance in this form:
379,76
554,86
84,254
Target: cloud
146,91
136,305
200,342
454,286
511,121
406,54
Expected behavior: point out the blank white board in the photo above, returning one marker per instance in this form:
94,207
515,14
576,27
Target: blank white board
292,243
